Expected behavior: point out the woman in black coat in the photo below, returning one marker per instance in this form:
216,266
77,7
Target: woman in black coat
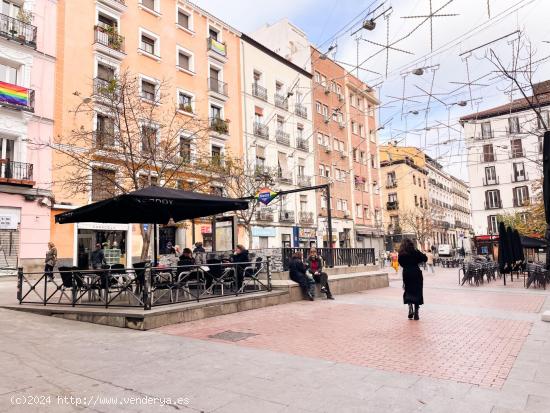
409,258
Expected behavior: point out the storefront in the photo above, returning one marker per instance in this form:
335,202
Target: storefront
304,237
116,240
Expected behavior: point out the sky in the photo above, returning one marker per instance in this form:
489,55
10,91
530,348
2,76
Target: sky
430,123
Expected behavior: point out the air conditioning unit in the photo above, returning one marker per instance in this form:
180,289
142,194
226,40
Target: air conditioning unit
327,90
326,119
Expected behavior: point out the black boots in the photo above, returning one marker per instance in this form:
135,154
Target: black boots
410,311
416,312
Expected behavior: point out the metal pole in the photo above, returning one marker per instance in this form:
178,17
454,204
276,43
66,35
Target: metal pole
329,222
192,232
19,284
268,273
155,245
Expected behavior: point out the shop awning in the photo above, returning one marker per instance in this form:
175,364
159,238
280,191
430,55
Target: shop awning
528,242
152,205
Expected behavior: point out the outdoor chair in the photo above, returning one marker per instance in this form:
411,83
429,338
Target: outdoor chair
66,274
139,268
188,276
251,273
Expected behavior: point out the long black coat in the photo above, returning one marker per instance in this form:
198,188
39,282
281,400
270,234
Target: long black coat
412,277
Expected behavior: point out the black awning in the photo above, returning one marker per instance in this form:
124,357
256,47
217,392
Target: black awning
528,242
152,205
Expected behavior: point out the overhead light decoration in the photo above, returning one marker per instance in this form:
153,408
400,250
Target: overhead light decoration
418,72
369,24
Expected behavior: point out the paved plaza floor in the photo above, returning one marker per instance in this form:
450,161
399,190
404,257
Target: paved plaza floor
475,349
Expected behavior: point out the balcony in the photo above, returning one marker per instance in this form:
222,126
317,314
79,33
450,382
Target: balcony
219,125
16,97
281,101
261,130
286,216
216,46
104,88
392,205
302,144
304,181
284,177
493,205
259,91
118,5
109,42
265,215
217,86
263,171
306,217
391,184
520,178
518,203
300,110
18,31
489,182
16,173
282,137
517,153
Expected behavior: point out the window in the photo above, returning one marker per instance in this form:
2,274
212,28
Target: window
492,199
215,112
10,9
184,60
513,124
421,203
148,137
325,110
318,107
344,205
414,179
354,127
105,72
185,102
184,19
213,33
105,130
257,77
416,200
362,157
519,172
490,175
317,77
521,196
260,157
8,74
517,148
545,122
339,204
185,148
359,210
488,154
147,44
216,153
148,90
103,184
391,180
486,130
361,131
106,22
541,144
303,203
392,197
300,131
150,4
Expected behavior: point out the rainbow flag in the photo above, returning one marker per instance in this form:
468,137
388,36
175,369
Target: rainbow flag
13,94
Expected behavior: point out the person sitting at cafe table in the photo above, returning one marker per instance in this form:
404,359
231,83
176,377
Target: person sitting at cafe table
186,258
240,256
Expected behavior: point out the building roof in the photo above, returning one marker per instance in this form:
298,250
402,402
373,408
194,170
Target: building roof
275,55
540,98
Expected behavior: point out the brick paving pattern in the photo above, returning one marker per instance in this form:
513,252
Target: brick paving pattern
443,345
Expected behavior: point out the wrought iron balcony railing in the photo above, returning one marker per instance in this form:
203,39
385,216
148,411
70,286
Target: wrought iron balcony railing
16,172
217,86
300,110
392,205
17,30
281,101
219,125
286,216
306,217
109,38
282,137
304,180
259,91
302,144
217,46
261,130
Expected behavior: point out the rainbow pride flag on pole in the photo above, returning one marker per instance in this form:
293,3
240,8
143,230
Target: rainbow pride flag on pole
13,94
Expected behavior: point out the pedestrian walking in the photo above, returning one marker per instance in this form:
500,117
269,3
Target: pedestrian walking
409,258
50,261
315,267
394,260
297,272
430,261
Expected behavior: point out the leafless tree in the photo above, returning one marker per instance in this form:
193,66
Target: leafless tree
138,139
421,222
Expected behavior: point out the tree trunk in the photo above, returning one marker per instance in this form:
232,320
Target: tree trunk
146,237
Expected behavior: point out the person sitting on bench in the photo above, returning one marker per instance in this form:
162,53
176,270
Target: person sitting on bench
315,267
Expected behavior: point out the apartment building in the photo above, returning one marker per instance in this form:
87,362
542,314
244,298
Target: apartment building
462,214
440,198
405,192
27,62
345,144
278,144
174,43
505,157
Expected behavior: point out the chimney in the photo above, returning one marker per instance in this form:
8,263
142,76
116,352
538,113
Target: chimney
541,88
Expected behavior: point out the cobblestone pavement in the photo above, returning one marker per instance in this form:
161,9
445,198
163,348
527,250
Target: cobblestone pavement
475,349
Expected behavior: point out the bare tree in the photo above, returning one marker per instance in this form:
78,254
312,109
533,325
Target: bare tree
421,222
139,139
